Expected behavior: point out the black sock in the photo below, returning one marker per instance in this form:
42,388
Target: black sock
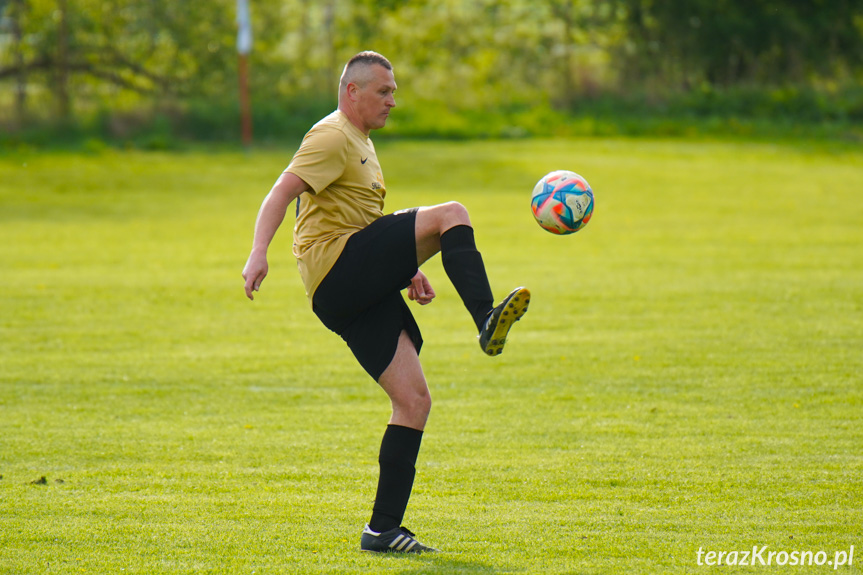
398,456
463,264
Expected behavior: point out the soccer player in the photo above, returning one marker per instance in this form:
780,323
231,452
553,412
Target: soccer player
355,261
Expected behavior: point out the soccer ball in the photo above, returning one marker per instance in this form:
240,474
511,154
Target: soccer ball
562,202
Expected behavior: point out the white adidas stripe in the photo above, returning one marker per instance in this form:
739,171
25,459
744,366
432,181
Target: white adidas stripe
403,543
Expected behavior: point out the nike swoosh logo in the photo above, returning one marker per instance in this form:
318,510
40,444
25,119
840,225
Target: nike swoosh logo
363,161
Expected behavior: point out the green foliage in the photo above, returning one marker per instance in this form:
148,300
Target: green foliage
687,376
726,43
768,115
120,63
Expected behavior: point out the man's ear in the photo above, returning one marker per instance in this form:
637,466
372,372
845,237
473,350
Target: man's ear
352,90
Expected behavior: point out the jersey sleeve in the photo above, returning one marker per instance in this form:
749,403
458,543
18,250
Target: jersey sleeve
321,158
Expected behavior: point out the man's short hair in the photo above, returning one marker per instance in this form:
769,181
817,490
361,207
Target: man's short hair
369,57
363,59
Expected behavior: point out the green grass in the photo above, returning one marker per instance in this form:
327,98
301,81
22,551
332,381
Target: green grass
688,375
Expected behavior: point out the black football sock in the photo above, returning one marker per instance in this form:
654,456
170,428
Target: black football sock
398,456
463,264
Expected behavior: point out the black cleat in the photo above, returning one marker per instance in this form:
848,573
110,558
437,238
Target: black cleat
493,333
398,540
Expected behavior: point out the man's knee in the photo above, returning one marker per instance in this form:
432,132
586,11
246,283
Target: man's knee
434,220
424,403
417,403
455,214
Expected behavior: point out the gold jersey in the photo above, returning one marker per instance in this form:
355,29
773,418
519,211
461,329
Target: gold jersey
338,162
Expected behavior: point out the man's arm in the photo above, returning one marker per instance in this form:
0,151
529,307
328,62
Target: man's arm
286,189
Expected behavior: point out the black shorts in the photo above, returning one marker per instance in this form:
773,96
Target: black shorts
360,298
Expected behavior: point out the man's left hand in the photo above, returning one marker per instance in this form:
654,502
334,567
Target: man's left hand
420,289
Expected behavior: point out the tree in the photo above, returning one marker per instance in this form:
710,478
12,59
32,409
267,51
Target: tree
728,42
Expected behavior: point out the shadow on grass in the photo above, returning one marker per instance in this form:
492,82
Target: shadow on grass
427,564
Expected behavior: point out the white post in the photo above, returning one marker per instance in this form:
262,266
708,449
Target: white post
244,46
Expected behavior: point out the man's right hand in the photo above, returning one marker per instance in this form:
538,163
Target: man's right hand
254,273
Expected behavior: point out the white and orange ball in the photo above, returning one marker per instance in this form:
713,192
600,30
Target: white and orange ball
562,202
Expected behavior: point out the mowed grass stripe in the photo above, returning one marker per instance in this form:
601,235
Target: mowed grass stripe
687,376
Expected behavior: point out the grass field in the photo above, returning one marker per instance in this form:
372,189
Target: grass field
688,377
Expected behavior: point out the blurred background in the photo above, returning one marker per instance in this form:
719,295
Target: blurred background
157,73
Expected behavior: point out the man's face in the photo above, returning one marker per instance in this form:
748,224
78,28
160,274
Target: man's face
375,99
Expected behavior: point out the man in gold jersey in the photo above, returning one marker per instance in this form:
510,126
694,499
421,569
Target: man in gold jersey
355,261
